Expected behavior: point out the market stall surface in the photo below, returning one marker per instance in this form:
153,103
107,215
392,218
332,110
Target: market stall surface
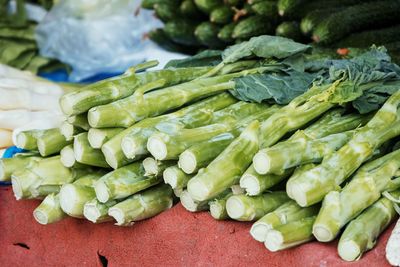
173,238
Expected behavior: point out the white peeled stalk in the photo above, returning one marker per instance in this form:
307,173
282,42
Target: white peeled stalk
12,119
5,138
49,211
31,83
23,99
10,72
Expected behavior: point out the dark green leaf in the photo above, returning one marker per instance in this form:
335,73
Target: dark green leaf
279,87
374,97
264,46
205,58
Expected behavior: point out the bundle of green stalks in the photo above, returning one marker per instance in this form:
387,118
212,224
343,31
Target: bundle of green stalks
302,160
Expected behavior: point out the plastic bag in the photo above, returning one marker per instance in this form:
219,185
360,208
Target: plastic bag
95,36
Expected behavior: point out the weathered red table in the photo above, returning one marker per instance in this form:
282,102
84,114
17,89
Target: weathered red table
173,238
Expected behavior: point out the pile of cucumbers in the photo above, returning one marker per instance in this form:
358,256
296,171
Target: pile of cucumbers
194,24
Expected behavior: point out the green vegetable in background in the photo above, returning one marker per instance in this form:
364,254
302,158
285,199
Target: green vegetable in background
356,18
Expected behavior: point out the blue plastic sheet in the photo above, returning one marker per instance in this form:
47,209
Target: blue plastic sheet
63,76
10,152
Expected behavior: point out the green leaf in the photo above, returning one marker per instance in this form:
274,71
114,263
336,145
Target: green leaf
374,97
264,46
205,58
366,80
278,87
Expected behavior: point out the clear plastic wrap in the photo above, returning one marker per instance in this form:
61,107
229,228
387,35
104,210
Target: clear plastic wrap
96,36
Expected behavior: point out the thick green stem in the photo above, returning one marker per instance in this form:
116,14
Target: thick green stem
113,153
364,189
74,196
256,184
190,204
332,122
247,208
313,185
85,154
218,207
80,121
143,205
124,182
361,233
290,234
176,178
131,143
112,89
155,167
43,177
201,154
292,153
49,211
10,165
287,213
98,137
126,112
167,144
296,114
97,212
219,174
69,130
68,157
50,142
27,140
335,121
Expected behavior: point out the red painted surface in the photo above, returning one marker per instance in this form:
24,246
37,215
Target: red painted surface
174,238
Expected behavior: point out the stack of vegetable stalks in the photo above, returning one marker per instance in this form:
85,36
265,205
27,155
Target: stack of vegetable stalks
217,23
317,156
27,102
18,46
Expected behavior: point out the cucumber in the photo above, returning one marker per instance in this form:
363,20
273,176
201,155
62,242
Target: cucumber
367,38
288,7
222,15
314,17
302,10
189,9
166,12
207,34
181,31
159,37
265,8
149,4
356,18
252,2
207,5
233,3
289,29
253,26
225,34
